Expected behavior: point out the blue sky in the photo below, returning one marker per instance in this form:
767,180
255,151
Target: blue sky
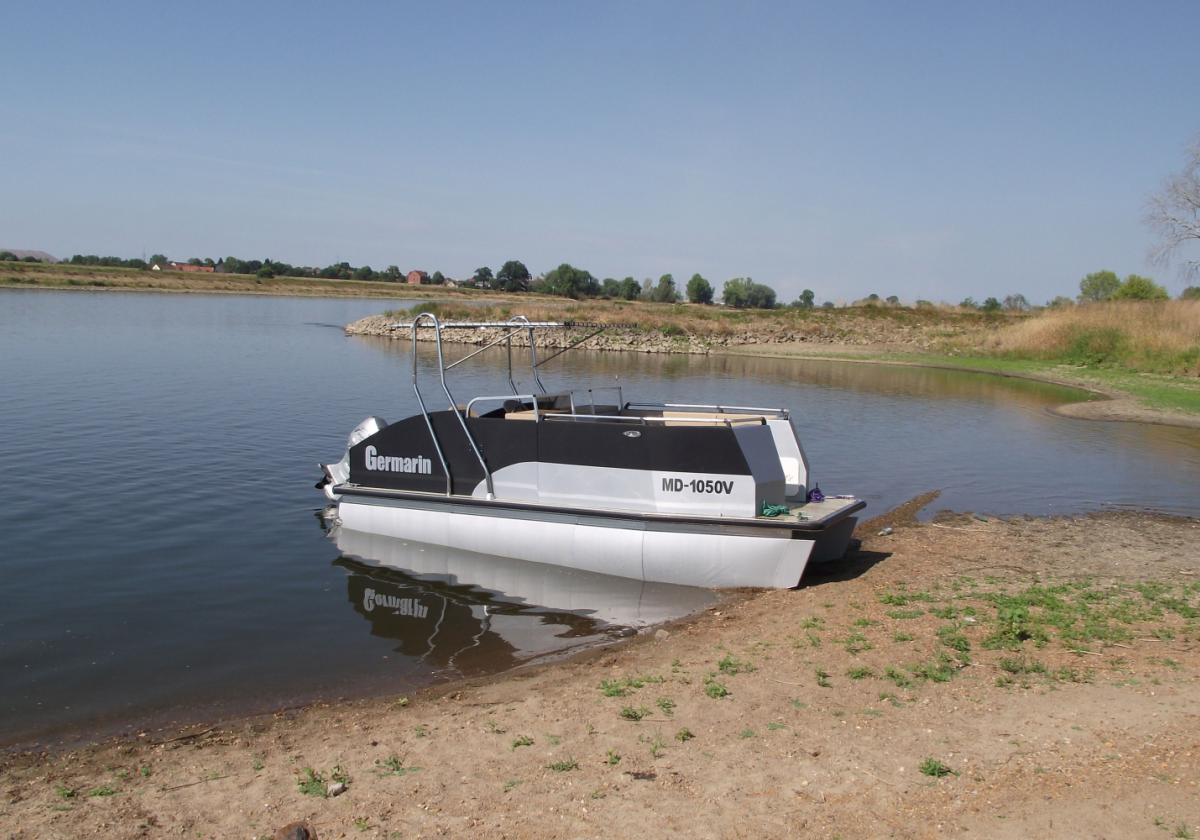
925,150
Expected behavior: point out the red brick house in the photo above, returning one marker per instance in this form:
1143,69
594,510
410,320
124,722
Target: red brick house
417,277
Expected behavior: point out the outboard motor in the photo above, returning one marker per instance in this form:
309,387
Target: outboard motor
339,473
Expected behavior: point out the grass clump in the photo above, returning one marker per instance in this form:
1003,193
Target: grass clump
564,766
522,741
312,783
822,678
732,666
935,768
714,689
612,757
630,713
860,673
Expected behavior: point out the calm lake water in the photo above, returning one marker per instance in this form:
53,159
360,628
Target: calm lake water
166,560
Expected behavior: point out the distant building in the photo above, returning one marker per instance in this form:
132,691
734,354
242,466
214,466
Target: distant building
415,278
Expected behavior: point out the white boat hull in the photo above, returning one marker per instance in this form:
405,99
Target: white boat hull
696,557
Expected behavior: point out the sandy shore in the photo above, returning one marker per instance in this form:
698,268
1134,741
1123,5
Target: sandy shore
1051,667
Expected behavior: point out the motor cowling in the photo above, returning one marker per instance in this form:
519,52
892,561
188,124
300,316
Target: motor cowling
339,473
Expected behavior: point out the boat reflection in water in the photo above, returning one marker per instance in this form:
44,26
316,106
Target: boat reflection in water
470,613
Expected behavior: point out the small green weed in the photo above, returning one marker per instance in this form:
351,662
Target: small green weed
512,783
419,729
64,792
522,741
813,623
732,666
714,689
667,705
822,678
902,637
564,766
775,726
103,790
901,679
860,673
747,733
684,735
657,745
904,615
362,824
935,768
394,767
630,713
311,783
614,757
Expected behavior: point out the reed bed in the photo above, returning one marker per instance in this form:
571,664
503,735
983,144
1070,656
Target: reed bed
1147,336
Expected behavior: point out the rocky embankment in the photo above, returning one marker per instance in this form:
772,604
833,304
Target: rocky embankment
834,329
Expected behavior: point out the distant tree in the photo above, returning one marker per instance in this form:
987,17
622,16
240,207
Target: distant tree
872,298
744,293
391,274
805,301
209,262
827,305
1099,285
483,277
1174,214
1016,303
265,272
569,281
512,277
340,271
699,290
664,291
198,261
438,278
924,304
630,290
610,288
893,300
969,303
1190,293
1059,302
8,256
30,258
647,288
363,273
992,305
1134,287
160,259
139,264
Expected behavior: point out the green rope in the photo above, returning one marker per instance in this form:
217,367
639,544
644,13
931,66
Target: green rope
773,510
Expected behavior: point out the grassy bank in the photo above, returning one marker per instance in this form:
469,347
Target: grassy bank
1143,336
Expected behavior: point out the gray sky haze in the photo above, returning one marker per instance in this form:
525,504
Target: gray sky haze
929,150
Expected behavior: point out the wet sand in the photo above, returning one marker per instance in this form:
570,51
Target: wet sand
779,713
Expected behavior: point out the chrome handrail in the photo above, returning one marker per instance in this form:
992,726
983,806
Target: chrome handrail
421,402
506,397
644,421
719,409
487,474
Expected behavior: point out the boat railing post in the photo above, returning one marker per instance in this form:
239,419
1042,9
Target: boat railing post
508,342
533,359
462,421
428,423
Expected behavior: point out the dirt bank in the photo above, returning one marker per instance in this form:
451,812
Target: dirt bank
1050,667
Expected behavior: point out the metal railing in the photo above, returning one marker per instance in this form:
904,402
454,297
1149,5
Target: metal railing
716,409
511,326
